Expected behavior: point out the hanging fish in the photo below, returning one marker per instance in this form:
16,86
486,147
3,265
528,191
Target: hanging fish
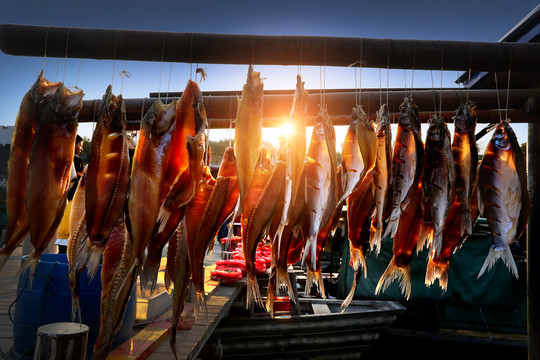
23,133
295,154
77,233
256,219
321,180
382,174
453,238
366,136
147,173
502,184
202,216
49,169
352,161
107,179
227,168
248,131
407,162
117,284
405,241
438,180
279,277
178,273
166,229
465,159
360,208
177,187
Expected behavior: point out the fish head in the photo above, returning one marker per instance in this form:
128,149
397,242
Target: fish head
67,102
437,130
228,163
165,116
500,137
465,118
112,111
383,120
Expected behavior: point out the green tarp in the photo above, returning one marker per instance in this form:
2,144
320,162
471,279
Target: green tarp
496,301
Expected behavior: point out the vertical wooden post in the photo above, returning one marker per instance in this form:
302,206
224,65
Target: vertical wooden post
533,231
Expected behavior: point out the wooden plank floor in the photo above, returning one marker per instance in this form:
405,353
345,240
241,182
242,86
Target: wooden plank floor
8,293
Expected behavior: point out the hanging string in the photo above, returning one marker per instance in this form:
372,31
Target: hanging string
405,79
114,57
230,121
142,109
94,104
380,89
508,85
45,52
359,89
191,57
252,49
161,69
470,70
433,91
387,68
57,69
440,94
66,54
324,73
78,74
459,86
413,66
124,74
169,84
299,72
498,99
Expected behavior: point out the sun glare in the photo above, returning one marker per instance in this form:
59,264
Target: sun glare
286,129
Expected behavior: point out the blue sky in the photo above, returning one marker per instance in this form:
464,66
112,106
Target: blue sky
482,20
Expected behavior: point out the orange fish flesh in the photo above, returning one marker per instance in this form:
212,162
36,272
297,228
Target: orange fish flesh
49,169
21,141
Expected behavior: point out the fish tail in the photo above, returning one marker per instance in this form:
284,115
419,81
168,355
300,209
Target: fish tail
437,271
149,274
74,284
358,261
4,256
494,255
436,243
253,293
311,247
425,236
277,236
200,305
271,290
350,297
172,343
92,257
375,242
466,222
315,278
284,281
393,272
30,263
393,222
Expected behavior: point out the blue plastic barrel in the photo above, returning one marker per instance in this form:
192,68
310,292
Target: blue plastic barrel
49,301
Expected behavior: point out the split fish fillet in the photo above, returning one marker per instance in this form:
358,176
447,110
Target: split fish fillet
248,131
49,169
21,141
107,179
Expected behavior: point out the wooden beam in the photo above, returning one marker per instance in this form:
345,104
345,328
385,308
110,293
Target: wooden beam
221,107
187,47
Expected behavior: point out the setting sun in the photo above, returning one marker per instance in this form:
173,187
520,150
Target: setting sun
286,129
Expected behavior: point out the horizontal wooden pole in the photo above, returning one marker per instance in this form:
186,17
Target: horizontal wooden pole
30,40
221,109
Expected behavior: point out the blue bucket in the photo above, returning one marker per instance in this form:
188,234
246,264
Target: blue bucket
49,301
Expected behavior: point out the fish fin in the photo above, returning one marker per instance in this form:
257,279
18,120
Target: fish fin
466,223
358,261
311,247
436,242
425,236
494,255
393,222
393,272
162,219
375,242
350,296
4,256
93,260
30,263
437,271
129,275
277,236
271,290
74,283
283,281
253,292
149,274
200,305
315,278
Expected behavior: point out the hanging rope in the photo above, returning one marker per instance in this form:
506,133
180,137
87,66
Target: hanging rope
470,70
168,84
124,74
440,94
387,68
161,69
45,52
191,57
498,99
66,54
299,71
508,80
114,57
413,66
78,74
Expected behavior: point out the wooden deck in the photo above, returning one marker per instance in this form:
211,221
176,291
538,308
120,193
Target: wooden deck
154,337
8,293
